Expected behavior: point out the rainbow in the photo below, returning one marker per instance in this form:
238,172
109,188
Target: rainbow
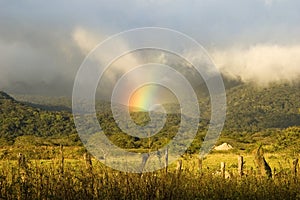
145,97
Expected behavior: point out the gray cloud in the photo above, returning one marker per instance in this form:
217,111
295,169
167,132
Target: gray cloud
40,51
261,64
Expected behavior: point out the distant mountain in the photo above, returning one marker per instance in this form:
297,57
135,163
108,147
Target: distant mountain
50,103
252,108
17,119
4,96
249,109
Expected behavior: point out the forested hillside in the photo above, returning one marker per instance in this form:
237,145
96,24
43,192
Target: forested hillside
253,113
19,119
251,108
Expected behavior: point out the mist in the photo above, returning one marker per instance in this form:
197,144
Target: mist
42,45
261,64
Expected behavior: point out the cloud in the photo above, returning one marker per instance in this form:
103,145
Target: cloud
86,40
261,63
271,2
42,44
37,62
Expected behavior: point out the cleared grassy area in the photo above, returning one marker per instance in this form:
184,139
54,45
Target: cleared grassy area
74,154
73,179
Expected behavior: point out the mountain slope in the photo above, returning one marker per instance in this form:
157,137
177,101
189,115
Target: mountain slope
251,108
17,119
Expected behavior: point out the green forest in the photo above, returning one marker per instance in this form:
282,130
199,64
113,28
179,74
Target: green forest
266,115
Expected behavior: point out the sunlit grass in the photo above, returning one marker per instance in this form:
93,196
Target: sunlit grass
45,179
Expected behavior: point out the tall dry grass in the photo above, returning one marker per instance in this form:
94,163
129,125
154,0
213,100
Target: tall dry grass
79,180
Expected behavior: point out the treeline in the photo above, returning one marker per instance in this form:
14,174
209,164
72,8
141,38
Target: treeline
253,115
18,119
254,109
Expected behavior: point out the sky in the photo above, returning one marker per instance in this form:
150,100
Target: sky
43,43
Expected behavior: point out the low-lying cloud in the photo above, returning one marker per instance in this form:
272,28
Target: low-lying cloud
43,44
261,63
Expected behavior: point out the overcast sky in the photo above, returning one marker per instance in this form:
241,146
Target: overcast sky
42,43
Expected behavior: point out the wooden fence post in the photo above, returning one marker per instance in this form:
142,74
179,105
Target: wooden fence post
144,161
200,164
223,169
88,161
263,167
62,159
21,161
167,159
179,166
295,167
240,165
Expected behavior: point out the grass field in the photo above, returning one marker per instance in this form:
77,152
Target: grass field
75,178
